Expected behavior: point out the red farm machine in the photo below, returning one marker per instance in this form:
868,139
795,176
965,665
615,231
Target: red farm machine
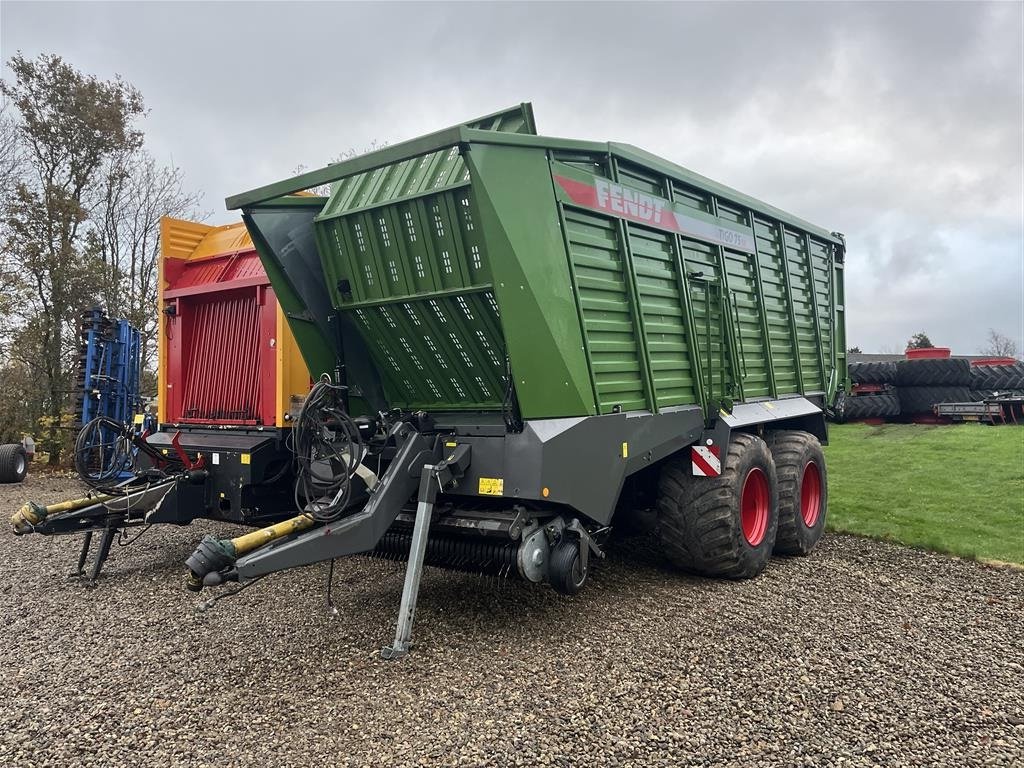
230,379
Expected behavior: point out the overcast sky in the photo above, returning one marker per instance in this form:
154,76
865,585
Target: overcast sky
900,125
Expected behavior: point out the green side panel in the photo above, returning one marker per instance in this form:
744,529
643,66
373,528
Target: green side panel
608,316
660,290
696,305
777,305
527,256
706,299
747,323
800,290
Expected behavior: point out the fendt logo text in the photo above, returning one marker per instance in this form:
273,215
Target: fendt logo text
628,202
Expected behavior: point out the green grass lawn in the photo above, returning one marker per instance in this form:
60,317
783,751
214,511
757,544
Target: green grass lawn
956,489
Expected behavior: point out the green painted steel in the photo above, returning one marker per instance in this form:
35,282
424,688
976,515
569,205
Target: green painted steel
484,264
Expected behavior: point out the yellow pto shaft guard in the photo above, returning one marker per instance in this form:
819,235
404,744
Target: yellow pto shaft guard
32,514
214,555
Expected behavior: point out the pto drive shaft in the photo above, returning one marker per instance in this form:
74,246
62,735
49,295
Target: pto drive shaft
32,514
214,555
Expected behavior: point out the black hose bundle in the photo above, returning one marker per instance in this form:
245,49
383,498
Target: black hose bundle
106,448
328,448
103,450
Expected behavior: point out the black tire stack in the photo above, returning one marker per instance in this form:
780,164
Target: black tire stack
872,405
925,382
992,381
914,387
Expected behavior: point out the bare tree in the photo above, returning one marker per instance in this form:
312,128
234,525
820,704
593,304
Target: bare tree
136,194
10,151
324,190
999,345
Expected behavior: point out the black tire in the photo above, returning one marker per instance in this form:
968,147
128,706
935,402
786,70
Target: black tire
933,372
919,400
873,373
799,529
13,463
879,405
700,524
565,570
997,377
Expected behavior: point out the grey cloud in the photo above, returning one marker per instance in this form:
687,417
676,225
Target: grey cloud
898,124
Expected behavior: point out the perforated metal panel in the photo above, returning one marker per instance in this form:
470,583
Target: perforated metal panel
413,274
223,376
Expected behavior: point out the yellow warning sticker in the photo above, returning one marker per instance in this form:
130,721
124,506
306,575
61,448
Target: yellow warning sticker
625,450
138,418
244,458
492,486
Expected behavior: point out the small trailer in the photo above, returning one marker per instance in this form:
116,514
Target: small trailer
994,410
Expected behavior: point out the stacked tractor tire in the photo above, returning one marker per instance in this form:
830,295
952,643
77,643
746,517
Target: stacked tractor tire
912,388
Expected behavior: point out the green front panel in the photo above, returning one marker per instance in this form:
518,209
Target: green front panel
413,275
532,283
416,176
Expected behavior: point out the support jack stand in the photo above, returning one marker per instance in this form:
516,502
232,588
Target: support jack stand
101,555
435,478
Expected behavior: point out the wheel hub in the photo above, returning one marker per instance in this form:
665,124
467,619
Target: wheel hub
754,502
810,494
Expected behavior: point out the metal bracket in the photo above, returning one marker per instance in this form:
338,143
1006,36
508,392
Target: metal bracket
189,464
587,543
434,479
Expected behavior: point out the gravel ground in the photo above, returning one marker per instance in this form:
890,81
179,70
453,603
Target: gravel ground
863,654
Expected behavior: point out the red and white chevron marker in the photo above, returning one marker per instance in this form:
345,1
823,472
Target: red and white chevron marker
706,461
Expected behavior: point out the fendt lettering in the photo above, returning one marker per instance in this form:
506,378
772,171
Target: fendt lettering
629,202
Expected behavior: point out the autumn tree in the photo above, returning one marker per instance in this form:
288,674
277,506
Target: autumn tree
70,126
80,207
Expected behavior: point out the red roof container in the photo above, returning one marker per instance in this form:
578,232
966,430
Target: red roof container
927,353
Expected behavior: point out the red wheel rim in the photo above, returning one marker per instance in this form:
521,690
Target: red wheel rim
810,494
754,503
